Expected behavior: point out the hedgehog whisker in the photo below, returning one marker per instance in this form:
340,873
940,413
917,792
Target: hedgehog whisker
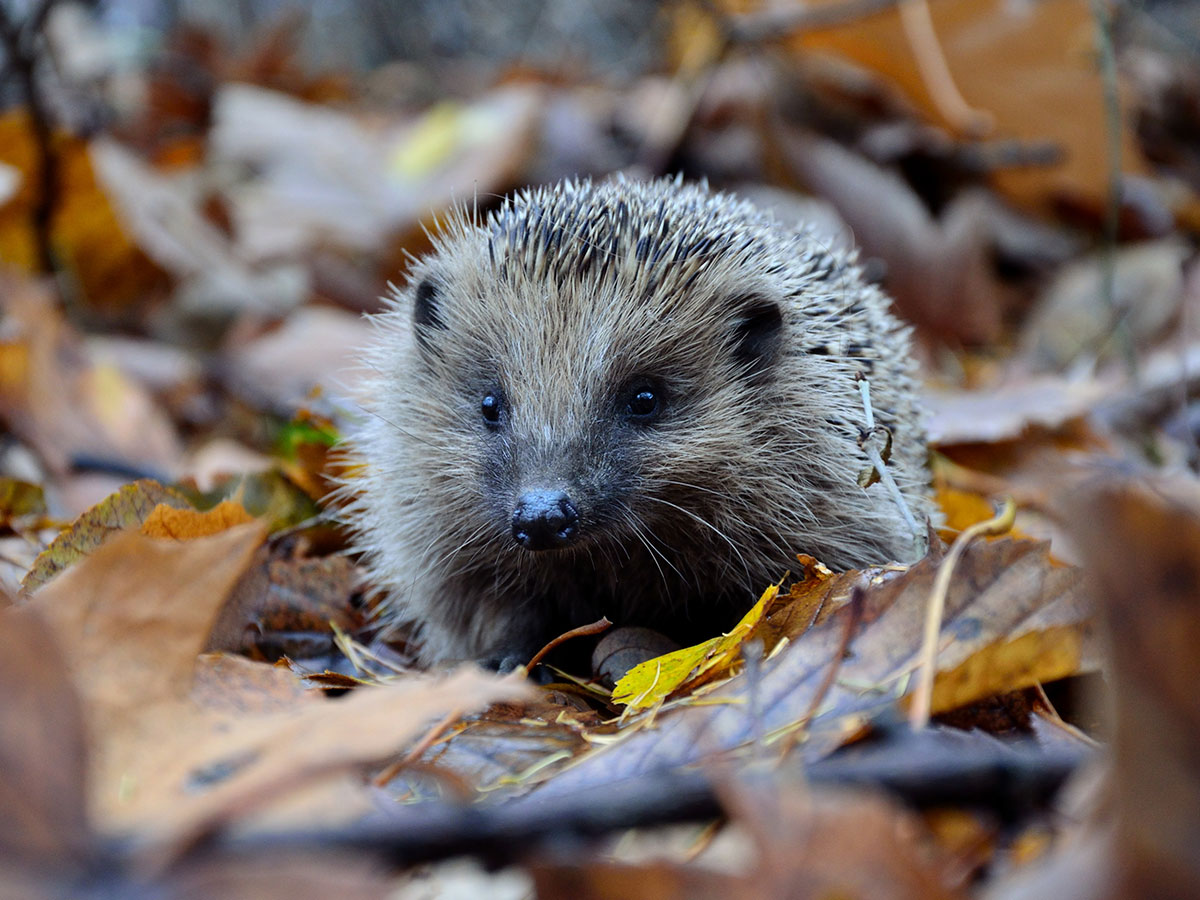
465,565
742,524
639,529
396,428
713,528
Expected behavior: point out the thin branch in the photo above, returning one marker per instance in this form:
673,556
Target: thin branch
602,624
1112,208
1001,777
917,21
922,703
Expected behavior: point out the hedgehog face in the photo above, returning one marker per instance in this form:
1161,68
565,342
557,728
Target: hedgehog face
582,410
635,399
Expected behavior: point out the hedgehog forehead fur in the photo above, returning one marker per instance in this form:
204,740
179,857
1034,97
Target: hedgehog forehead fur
559,306
585,283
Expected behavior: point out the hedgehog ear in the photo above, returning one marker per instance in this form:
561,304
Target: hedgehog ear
427,310
758,334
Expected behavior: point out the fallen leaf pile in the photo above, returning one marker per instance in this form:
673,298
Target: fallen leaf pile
196,699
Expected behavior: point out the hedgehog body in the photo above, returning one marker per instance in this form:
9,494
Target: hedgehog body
631,399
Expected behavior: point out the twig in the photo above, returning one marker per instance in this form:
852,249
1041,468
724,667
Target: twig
581,631
935,71
885,475
1004,777
918,714
1112,208
418,749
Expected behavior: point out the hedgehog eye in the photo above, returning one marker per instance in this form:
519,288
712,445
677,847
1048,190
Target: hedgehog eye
643,402
491,406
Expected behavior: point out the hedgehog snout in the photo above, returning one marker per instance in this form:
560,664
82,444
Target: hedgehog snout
545,520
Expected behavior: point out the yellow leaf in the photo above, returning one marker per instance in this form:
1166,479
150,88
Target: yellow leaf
431,143
1036,657
654,680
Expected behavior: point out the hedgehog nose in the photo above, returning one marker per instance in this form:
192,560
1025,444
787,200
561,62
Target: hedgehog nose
544,520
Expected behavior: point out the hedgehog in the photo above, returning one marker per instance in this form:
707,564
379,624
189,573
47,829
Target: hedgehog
631,399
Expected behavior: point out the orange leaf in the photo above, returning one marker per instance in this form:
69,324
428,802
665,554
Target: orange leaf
183,524
87,235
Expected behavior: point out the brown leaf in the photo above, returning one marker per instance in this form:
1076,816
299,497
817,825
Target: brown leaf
1075,317
269,496
1008,411
1141,544
1030,68
43,816
184,524
938,271
598,879
112,272
67,404
47,848
127,508
273,754
838,844
213,278
133,616
315,346
1008,601
286,605
138,611
239,685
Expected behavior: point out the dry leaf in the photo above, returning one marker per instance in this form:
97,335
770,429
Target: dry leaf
134,617
819,843
315,347
43,816
162,212
184,524
1030,67
64,403
651,682
939,271
47,848
1141,543
1008,603
1007,411
112,272
602,879
287,606
1076,317
127,508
